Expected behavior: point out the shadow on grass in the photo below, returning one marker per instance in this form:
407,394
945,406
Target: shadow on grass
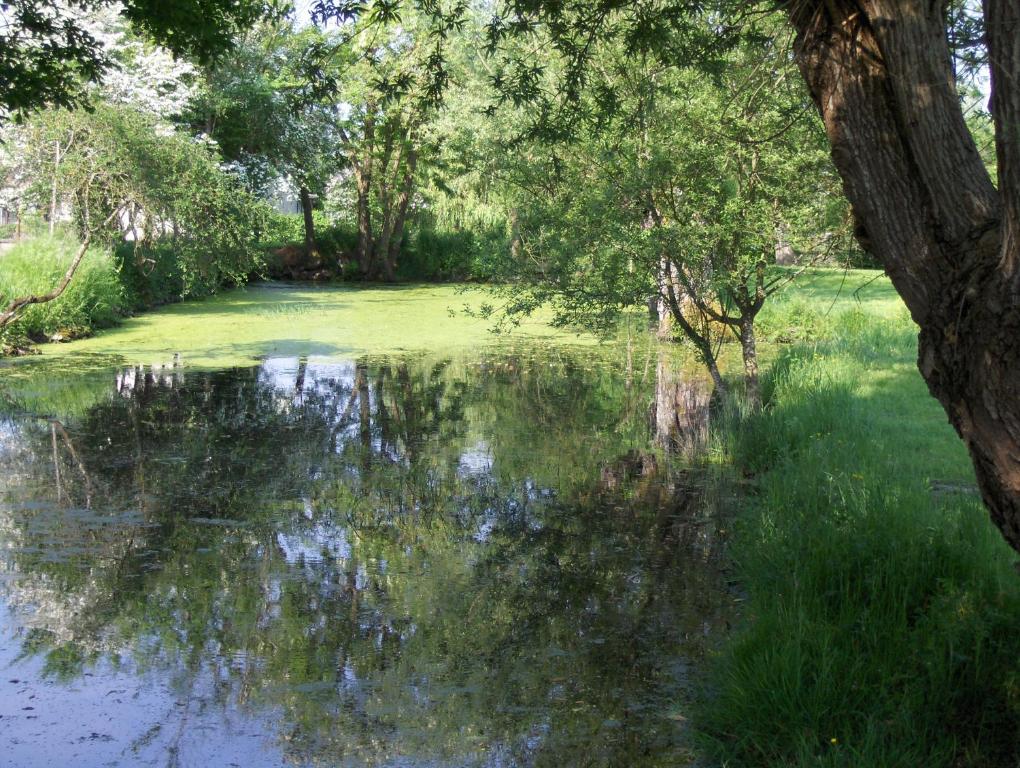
882,625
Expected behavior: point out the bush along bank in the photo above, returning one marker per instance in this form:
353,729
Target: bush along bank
95,298
882,613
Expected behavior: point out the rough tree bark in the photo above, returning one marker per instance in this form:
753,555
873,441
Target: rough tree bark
881,75
749,352
386,175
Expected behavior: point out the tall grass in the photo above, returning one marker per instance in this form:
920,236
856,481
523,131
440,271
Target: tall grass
94,299
883,608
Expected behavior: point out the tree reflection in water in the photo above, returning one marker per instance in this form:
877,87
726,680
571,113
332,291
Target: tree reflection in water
400,561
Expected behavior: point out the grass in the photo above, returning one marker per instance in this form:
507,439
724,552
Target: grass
882,620
93,299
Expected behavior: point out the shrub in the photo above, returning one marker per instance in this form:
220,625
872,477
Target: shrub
150,273
337,241
168,184
95,297
280,229
431,254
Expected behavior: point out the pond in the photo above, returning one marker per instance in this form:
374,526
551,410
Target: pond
473,554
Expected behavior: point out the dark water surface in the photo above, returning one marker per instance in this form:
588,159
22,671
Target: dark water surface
419,561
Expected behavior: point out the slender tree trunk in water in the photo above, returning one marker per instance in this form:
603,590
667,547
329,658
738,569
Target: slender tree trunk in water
515,234
400,215
678,302
880,72
664,325
701,343
311,249
749,351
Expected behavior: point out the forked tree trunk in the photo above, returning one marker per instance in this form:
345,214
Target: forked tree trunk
382,245
880,72
364,222
749,352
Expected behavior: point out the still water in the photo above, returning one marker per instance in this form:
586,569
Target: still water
475,559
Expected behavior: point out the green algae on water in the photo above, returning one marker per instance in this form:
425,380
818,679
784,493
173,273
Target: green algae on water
248,324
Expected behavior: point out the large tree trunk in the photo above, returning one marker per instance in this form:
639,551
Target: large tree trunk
382,246
364,222
749,351
880,72
400,215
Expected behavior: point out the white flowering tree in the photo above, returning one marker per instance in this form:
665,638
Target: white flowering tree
142,74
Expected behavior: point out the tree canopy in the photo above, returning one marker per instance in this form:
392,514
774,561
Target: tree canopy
50,51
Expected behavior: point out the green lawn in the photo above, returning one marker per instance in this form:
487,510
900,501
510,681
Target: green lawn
882,613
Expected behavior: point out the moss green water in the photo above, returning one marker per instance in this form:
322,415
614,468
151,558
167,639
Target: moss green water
247,324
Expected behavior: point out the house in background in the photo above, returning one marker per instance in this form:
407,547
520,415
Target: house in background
285,198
